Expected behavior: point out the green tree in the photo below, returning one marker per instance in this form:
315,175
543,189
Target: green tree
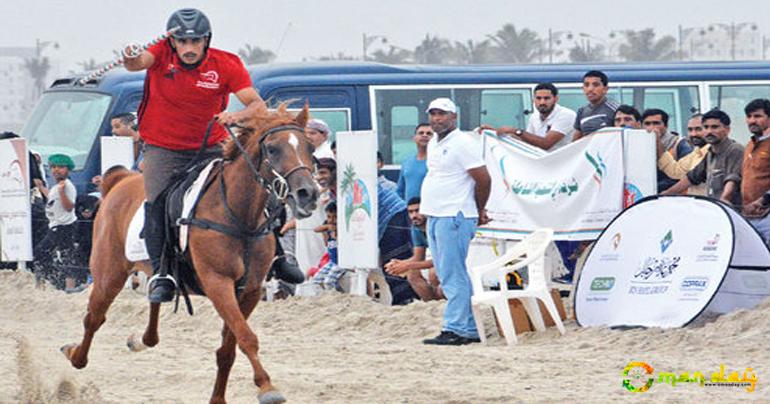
433,50
642,46
252,55
512,46
395,56
579,54
473,52
38,68
337,56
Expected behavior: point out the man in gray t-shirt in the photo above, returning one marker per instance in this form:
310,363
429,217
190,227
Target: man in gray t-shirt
600,110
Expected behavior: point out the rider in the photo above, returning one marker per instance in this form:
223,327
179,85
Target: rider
187,83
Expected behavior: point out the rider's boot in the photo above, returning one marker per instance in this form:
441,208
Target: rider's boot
286,271
162,287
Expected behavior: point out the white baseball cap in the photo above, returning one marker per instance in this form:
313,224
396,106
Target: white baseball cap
443,104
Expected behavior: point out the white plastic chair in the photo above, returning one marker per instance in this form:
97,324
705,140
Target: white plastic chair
529,253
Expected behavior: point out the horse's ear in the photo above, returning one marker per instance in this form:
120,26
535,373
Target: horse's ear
303,116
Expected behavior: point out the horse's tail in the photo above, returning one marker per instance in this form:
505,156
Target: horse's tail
112,177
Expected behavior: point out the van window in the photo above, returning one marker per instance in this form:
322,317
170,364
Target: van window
732,99
66,122
337,119
403,122
506,107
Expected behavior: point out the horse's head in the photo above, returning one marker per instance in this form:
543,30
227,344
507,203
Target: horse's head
276,143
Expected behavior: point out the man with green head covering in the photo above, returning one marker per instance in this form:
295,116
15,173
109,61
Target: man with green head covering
60,210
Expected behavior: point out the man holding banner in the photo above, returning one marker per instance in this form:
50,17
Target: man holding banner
454,197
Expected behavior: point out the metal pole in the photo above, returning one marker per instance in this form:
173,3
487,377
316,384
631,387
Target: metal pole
681,38
363,43
732,40
550,46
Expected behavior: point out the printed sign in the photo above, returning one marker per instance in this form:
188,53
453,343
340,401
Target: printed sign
15,215
357,199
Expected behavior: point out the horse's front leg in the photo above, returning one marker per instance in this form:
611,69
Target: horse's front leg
221,292
110,273
226,353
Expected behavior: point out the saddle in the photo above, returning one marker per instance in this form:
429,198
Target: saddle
179,201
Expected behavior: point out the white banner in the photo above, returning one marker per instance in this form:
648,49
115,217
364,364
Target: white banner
117,150
575,190
15,215
666,260
357,200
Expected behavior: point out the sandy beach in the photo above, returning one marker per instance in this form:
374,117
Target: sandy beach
342,349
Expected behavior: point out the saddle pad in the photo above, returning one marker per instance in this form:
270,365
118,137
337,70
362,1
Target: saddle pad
136,250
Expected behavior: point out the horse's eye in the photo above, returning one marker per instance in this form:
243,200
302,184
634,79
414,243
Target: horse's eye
272,150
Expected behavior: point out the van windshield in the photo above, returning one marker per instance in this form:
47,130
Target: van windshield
66,122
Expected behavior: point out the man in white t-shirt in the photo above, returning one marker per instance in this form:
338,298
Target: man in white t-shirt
60,210
454,196
551,127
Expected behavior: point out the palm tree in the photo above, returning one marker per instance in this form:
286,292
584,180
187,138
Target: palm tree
513,46
579,54
433,50
642,46
395,56
470,52
252,55
38,68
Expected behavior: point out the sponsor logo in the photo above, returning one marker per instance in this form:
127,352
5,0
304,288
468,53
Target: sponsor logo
711,244
616,241
666,241
694,283
631,194
602,284
657,268
209,80
597,163
647,290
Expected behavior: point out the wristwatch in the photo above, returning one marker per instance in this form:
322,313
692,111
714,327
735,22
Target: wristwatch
518,132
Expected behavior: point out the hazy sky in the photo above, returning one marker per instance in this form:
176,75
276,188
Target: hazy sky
94,28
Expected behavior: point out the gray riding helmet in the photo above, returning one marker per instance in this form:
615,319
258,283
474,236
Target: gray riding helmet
192,23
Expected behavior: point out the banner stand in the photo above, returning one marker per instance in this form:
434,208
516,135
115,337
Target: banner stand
665,261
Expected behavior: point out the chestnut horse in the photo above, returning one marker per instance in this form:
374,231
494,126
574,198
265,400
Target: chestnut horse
274,154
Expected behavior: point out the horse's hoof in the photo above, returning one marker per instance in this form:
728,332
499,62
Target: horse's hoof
69,351
271,397
135,343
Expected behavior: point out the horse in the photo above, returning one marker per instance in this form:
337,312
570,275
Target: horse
269,155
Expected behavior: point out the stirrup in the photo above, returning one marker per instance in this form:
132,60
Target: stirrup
159,276
165,297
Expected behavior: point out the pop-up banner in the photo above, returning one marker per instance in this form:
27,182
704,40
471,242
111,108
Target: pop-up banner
666,260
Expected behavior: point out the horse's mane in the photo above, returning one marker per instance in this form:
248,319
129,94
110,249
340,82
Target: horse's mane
260,121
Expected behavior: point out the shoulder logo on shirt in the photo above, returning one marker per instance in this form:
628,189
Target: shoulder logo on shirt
170,71
209,79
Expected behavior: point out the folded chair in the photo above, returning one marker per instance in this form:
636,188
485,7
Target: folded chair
529,253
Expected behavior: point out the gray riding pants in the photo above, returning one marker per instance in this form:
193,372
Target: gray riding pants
161,164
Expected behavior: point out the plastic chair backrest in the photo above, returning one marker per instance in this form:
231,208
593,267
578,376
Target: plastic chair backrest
537,243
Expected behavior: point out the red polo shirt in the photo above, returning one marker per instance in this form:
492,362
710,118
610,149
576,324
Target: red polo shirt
178,104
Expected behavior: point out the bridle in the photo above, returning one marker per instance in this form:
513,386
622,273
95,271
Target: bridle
279,186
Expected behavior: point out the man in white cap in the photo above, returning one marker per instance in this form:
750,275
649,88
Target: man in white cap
317,132
454,196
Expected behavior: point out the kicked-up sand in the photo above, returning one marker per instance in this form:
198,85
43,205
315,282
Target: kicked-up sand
342,349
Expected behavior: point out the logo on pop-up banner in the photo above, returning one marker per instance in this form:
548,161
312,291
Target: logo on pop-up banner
711,244
666,242
660,268
602,284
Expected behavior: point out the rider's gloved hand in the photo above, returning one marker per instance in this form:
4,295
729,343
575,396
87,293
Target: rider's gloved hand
132,51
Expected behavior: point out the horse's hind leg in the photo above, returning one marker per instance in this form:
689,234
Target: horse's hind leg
226,353
108,282
220,291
